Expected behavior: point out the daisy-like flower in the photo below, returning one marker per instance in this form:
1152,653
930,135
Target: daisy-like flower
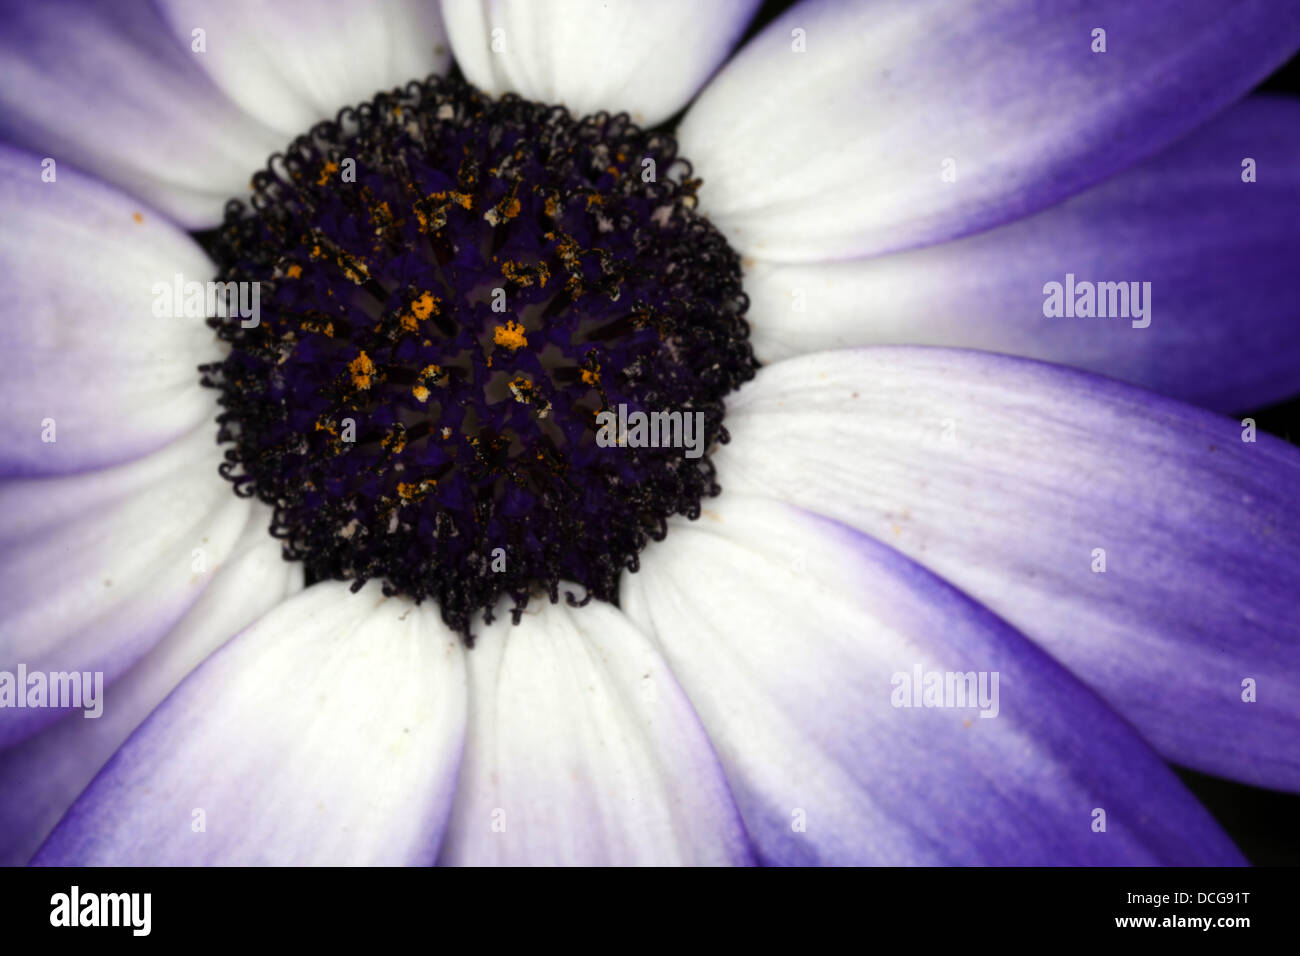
903,605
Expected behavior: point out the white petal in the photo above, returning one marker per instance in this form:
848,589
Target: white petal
589,55
582,750
1148,545
96,568
795,637
327,733
292,63
109,88
907,122
1194,244
42,776
88,364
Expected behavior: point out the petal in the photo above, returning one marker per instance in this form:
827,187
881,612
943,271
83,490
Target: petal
106,87
87,363
1019,481
329,732
842,150
589,55
1210,246
582,750
292,64
96,568
42,776
797,639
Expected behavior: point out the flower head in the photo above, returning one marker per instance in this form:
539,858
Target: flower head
926,605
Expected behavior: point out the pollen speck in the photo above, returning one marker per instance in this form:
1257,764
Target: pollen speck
511,335
137,217
424,306
362,370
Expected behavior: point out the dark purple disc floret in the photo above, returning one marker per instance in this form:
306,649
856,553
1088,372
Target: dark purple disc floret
453,287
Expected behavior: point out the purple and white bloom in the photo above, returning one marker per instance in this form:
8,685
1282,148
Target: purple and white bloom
974,285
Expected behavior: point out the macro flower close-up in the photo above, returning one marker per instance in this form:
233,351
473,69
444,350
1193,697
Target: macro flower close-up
565,432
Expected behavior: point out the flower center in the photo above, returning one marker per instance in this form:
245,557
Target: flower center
491,352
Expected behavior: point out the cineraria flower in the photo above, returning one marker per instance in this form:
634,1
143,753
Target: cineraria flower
534,553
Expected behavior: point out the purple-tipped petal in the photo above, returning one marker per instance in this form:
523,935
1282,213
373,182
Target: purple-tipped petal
799,640
1222,322
907,122
42,776
1138,540
583,750
645,59
109,88
96,568
292,63
92,376
329,732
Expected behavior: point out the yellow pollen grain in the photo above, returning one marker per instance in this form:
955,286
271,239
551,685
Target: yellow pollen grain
511,335
382,216
424,306
410,489
591,377
294,271
328,170
523,275
421,393
353,268
137,217
395,441
521,388
362,370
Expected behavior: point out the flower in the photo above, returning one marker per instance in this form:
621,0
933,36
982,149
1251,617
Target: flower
1110,574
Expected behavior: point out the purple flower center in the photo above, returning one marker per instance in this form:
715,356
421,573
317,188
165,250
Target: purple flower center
453,290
